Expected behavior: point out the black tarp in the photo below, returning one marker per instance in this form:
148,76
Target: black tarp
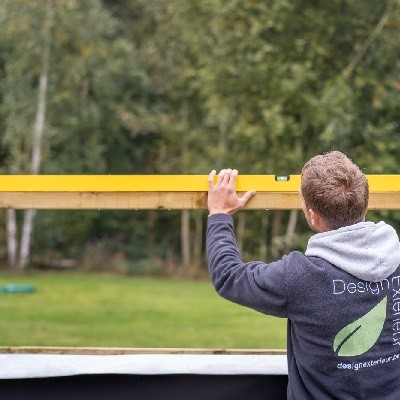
146,387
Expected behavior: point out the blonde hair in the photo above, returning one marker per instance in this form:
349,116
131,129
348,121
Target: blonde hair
334,187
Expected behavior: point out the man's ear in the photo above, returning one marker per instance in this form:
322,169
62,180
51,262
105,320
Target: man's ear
318,222
314,217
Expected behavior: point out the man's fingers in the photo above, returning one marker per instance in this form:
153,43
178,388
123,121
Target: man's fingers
211,179
232,178
227,176
247,196
220,176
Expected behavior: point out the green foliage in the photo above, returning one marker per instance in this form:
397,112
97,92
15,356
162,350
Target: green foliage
175,86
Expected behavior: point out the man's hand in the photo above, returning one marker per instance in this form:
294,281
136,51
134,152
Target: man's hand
222,197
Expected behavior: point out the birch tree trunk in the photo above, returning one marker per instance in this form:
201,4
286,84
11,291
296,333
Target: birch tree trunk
263,237
197,244
24,255
275,233
151,228
12,243
291,227
185,238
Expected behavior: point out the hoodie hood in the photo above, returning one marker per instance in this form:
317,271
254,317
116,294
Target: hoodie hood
366,250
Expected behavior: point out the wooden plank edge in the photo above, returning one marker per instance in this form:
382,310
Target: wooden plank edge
125,351
164,200
136,200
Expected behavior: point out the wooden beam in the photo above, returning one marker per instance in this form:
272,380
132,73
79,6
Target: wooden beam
163,192
134,200
123,350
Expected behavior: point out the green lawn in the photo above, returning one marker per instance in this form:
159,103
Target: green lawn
112,311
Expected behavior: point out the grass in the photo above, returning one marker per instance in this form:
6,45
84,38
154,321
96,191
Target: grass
113,311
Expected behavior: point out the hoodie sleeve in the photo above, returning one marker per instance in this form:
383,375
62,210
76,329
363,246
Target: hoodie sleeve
257,285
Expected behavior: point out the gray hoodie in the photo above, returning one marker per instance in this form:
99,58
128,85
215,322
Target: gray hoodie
341,299
366,250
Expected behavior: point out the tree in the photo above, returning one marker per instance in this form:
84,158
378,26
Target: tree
174,86
86,101
40,120
43,41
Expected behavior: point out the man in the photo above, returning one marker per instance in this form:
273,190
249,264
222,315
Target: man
341,298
